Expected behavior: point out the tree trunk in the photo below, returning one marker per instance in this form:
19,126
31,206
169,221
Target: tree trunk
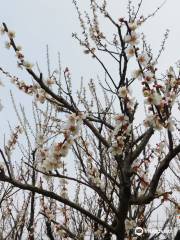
177,237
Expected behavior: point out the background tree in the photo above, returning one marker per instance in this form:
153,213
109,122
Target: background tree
88,167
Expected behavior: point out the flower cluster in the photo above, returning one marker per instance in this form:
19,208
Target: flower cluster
153,121
48,160
152,97
13,140
130,52
33,89
29,89
95,31
141,178
73,125
132,37
160,99
132,40
58,228
40,95
122,129
51,158
93,173
125,94
10,43
159,96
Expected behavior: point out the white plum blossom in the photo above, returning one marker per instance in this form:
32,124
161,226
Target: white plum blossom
117,147
51,158
123,91
130,52
143,59
11,34
28,65
146,92
73,124
121,119
125,129
149,77
157,98
98,233
49,164
60,232
131,102
153,121
137,74
40,95
61,149
171,80
126,93
132,38
154,98
50,81
133,25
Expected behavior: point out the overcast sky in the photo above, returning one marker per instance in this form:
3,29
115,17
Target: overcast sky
38,22
41,22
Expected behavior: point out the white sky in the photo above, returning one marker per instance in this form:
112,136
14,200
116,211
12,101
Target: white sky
41,22
38,22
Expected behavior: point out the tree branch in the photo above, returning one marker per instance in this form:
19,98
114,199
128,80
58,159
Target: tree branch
53,195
